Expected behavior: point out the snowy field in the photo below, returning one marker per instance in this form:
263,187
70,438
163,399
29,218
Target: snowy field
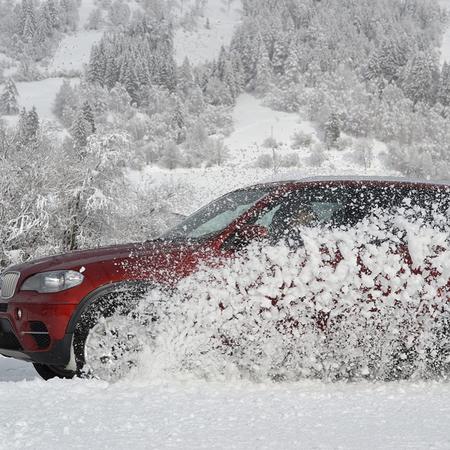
40,94
141,413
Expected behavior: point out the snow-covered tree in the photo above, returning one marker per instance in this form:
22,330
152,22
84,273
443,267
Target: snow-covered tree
88,116
8,98
94,20
421,79
119,13
171,158
185,78
443,95
65,98
28,129
332,129
92,188
263,78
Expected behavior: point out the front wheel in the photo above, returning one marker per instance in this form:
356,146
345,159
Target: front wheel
113,347
108,340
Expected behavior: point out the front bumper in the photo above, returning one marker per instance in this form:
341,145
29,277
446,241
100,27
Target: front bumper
36,331
58,355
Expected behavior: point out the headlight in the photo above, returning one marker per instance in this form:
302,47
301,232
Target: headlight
53,281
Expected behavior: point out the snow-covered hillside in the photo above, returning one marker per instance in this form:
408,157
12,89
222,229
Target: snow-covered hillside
215,29
73,52
253,123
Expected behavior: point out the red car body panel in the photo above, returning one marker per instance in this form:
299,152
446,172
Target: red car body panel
157,262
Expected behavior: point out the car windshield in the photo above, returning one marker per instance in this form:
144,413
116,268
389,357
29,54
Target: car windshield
217,215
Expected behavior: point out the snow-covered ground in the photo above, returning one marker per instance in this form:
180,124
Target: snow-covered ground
40,94
74,51
158,414
204,44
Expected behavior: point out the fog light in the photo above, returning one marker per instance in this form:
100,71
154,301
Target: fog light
19,313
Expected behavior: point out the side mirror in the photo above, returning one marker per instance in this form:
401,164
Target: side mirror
245,235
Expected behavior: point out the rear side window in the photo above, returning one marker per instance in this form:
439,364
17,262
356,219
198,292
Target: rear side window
347,206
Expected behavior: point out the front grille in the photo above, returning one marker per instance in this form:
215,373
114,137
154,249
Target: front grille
9,283
3,307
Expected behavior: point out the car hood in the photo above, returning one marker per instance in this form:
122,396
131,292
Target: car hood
148,251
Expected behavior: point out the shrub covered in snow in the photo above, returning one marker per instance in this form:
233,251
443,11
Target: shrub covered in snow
301,139
264,161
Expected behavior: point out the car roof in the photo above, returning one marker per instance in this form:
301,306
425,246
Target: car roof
292,182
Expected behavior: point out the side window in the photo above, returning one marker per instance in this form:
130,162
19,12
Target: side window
305,208
265,220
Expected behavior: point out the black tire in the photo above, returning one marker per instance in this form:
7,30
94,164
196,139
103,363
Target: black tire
105,307
49,372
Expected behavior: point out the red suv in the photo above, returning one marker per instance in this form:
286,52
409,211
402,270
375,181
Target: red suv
48,306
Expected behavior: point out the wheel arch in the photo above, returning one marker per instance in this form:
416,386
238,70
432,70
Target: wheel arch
110,288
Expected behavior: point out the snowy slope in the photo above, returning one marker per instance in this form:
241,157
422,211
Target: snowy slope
204,44
74,51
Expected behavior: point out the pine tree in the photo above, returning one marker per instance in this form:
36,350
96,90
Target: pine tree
195,101
111,72
185,77
65,97
229,79
88,116
171,157
332,129
280,54
444,86
166,70
33,123
97,65
28,129
292,65
263,78
420,81
178,121
52,14
129,80
44,23
28,20
8,98
221,62
80,130
388,61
